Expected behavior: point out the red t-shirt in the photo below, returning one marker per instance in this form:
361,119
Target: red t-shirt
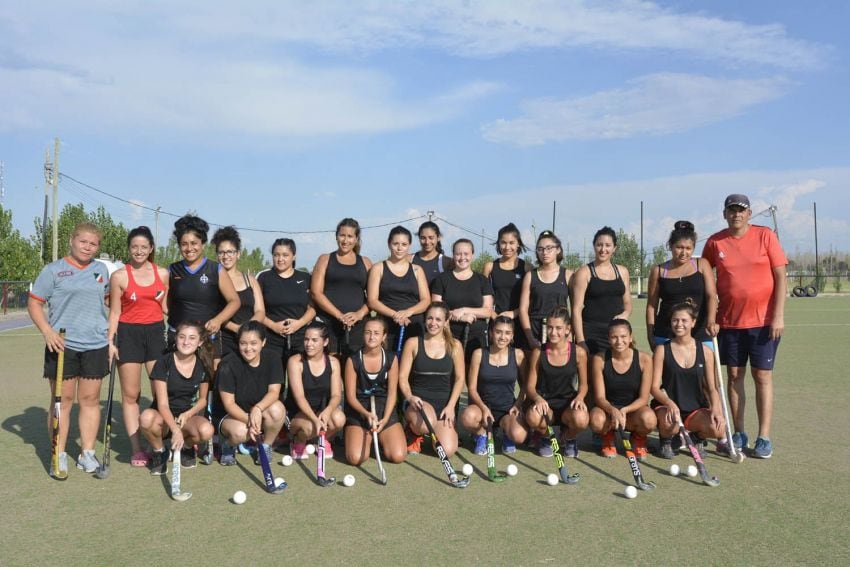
745,281
142,304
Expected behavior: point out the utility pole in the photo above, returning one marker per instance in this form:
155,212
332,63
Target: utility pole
55,182
554,206
640,267
430,216
482,240
156,223
48,176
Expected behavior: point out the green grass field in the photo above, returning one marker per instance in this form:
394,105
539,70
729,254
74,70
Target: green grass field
791,509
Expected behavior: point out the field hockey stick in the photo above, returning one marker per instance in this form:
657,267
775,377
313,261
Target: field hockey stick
176,493
288,343
736,456
544,333
401,330
268,478
491,457
457,480
103,470
703,473
210,454
375,443
465,335
633,462
565,475
320,463
347,339
57,408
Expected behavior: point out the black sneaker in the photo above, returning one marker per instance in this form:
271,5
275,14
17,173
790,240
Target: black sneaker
665,451
159,462
188,459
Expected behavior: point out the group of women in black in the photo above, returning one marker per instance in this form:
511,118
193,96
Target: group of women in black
363,347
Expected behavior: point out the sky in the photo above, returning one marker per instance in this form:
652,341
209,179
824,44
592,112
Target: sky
284,117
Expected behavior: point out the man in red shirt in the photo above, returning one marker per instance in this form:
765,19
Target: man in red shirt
750,266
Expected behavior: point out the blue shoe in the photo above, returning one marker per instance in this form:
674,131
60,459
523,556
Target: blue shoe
570,448
545,448
763,448
480,444
740,440
508,445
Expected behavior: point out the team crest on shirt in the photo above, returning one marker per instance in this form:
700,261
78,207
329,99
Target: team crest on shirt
722,255
98,277
65,274
159,295
204,279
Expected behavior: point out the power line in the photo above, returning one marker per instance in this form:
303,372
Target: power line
243,228
472,232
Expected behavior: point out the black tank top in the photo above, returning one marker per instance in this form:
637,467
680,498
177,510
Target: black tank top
398,292
433,267
622,389
372,383
684,385
672,291
193,296
546,296
431,376
345,286
603,298
507,285
317,389
557,381
496,384
246,308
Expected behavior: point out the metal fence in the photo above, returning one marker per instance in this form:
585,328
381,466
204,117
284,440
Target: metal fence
14,296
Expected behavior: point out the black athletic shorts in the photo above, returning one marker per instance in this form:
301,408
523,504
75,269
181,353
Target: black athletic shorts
354,418
336,337
92,364
138,342
557,405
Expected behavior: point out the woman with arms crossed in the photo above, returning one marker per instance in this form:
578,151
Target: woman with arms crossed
372,371
180,382
74,289
315,392
622,377
431,379
338,288
228,247
136,330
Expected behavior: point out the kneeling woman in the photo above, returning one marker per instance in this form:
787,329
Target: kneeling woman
622,377
494,373
315,392
431,379
372,371
683,384
180,382
249,385
557,385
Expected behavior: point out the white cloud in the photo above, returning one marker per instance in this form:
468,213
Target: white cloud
661,103
136,211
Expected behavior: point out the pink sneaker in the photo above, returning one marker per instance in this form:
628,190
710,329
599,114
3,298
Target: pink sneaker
298,451
329,450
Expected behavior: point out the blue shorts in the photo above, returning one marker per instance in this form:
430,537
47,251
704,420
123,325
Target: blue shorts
738,345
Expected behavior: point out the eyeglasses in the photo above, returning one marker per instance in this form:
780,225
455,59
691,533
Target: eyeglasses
228,252
544,249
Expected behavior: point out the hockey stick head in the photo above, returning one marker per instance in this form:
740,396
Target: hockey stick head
102,471
326,481
181,496
460,481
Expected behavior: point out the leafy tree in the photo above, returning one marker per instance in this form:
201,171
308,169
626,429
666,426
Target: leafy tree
572,261
628,252
113,235
659,255
18,256
480,261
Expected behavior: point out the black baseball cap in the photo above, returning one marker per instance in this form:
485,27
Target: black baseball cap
737,200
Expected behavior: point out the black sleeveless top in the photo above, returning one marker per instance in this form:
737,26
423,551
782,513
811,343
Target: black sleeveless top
246,307
368,383
507,285
317,389
345,286
603,298
557,381
672,291
431,377
622,389
398,292
433,267
684,385
193,295
496,384
546,296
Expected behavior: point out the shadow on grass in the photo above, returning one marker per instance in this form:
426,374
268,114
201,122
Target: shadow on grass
257,479
606,473
427,473
31,427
